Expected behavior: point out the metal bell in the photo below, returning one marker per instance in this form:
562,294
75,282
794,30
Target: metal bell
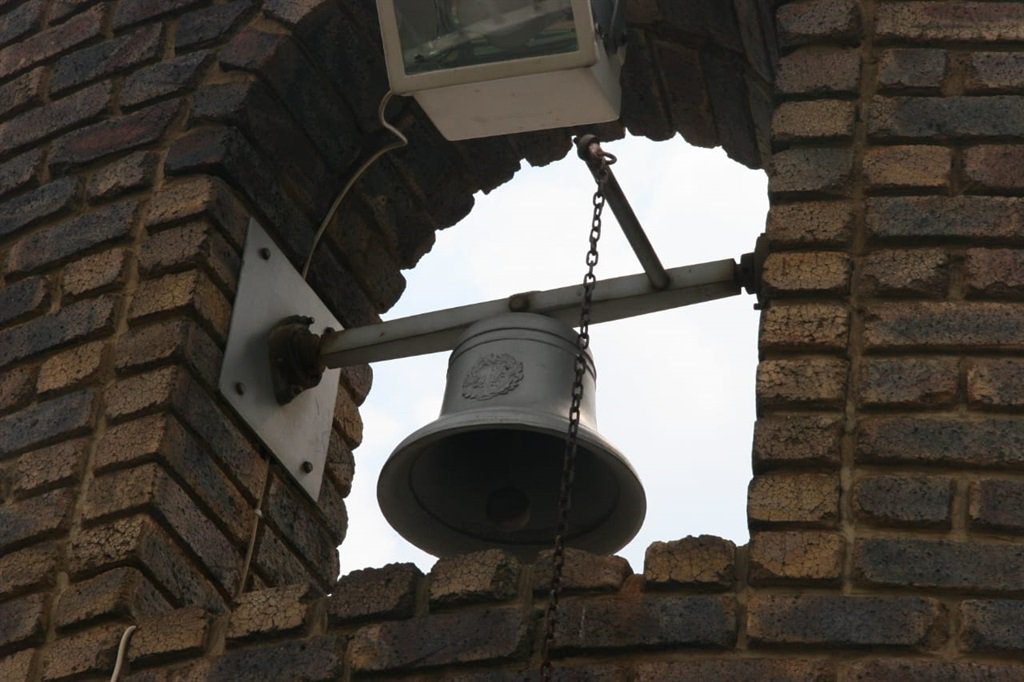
487,472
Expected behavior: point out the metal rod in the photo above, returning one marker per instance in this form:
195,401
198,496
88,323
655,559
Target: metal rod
628,221
614,299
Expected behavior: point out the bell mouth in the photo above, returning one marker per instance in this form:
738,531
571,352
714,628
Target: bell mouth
475,481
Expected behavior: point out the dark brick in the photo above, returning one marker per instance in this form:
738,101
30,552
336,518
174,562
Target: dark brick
943,118
191,245
921,670
489,575
23,298
707,18
45,44
944,326
95,273
279,564
998,505
23,620
825,119
61,9
117,592
371,262
68,112
306,531
912,69
812,21
686,95
17,387
191,291
71,323
461,637
917,272
133,11
822,272
20,172
133,172
995,383
379,593
819,70
114,135
811,381
170,341
61,416
703,562
208,24
905,500
582,571
106,58
644,109
40,470
197,197
74,367
908,382
83,652
22,92
20,21
961,21
811,170
49,200
810,500
994,168
786,557
35,519
804,327
17,666
148,487
788,440
835,621
66,239
811,222
164,78
942,564
995,442
313,659
994,72
736,670
906,166
732,103
28,568
645,621
181,632
991,625
139,541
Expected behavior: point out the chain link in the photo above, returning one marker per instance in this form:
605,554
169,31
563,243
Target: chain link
569,456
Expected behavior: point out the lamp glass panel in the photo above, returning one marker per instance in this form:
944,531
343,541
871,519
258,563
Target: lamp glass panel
446,34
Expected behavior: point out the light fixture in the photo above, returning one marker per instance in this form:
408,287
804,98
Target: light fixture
490,67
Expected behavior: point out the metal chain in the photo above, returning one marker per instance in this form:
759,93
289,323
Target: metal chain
569,457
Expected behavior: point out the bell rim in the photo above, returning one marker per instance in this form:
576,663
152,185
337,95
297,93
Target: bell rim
407,517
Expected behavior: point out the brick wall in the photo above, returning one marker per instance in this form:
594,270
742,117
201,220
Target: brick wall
138,137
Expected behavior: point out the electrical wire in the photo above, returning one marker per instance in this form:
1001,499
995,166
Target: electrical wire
397,144
122,648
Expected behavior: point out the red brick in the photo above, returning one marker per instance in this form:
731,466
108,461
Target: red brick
922,670
806,272
944,326
21,21
801,382
377,593
995,383
704,562
908,272
800,557
994,72
52,245
824,223
22,620
942,564
45,421
57,465
114,135
836,621
489,575
20,172
994,168
942,118
117,592
991,625
582,571
52,41
825,119
815,70
975,218
29,568
908,382
811,170
80,653
169,77
22,92
461,637
788,440
106,58
912,69
908,166
133,172
47,201
95,273
998,505
810,500
273,611
959,21
944,441
23,298
181,633
905,500
187,291
35,519
811,21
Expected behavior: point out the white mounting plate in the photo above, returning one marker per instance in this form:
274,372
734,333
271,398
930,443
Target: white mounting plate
269,290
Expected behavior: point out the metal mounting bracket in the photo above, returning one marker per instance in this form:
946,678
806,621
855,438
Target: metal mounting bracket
269,290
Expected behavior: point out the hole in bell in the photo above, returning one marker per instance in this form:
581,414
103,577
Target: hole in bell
508,509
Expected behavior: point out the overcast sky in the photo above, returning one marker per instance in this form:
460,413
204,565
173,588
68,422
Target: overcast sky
675,390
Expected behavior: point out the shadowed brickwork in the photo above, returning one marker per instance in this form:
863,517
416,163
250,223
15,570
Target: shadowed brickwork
137,139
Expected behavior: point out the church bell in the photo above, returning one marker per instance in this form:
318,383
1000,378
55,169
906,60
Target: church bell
487,472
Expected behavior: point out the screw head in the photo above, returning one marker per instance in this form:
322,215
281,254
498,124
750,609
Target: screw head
307,467
264,253
240,388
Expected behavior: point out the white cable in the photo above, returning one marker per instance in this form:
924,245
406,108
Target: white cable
121,649
398,144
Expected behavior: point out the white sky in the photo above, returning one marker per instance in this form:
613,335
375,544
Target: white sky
675,390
